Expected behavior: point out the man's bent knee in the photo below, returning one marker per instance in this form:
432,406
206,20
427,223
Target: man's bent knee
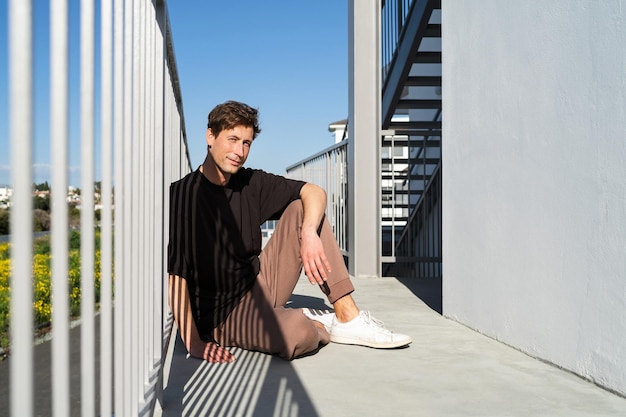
302,337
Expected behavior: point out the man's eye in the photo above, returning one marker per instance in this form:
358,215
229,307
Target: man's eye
247,144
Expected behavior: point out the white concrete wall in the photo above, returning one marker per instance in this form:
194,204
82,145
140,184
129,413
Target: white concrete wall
534,180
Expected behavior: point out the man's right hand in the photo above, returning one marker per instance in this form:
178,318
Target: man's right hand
210,352
181,308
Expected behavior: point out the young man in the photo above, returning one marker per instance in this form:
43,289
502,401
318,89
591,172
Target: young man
226,291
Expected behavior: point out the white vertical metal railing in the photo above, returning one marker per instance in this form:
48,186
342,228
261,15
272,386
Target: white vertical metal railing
142,149
87,223
106,190
59,133
329,170
21,136
118,100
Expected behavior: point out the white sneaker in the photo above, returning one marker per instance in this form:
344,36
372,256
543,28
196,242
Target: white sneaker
365,330
325,317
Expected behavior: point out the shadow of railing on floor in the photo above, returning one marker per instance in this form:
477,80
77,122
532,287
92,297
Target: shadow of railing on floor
255,384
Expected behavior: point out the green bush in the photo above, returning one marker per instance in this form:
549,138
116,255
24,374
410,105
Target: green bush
5,228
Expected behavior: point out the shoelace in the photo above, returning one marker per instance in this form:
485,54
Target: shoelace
368,318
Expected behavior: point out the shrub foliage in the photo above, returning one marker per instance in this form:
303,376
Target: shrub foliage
42,308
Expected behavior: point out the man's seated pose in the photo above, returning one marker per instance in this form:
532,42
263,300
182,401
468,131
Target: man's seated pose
223,289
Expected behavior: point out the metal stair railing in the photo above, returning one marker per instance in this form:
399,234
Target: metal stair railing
418,251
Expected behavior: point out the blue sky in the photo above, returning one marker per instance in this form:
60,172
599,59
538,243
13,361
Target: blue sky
288,59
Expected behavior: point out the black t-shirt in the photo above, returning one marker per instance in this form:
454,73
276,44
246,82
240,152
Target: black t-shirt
215,237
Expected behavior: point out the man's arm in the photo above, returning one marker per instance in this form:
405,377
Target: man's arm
181,308
311,251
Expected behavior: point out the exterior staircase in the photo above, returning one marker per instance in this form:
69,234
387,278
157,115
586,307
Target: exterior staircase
411,122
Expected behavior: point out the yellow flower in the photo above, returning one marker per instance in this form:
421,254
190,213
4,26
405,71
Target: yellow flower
5,271
41,287
4,250
43,311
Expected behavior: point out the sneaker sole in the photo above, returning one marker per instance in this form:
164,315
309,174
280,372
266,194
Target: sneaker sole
353,341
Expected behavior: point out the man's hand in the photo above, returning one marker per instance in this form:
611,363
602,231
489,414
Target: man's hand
181,308
313,257
210,352
311,250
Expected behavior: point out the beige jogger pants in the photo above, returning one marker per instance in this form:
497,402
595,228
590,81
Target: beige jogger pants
260,321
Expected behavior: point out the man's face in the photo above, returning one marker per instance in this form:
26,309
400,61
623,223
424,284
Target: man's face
230,149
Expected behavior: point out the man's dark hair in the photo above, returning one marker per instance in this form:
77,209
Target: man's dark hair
230,114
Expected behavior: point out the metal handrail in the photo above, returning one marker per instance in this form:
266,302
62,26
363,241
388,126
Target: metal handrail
344,142
329,169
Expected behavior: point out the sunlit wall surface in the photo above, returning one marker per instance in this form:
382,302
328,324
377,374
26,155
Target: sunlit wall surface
534,190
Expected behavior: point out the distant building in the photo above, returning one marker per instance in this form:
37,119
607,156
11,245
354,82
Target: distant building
6,192
339,129
5,197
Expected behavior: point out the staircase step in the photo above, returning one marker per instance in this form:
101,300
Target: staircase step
415,138
414,125
433,30
419,104
427,58
423,81
420,161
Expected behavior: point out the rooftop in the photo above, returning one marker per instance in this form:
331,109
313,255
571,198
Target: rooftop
448,370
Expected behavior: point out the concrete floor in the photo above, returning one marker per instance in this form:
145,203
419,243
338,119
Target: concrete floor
42,380
448,370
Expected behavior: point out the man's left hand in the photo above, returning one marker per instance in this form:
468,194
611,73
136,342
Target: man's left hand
314,258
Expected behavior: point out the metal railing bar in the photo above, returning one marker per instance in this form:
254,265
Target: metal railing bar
87,87
119,240
119,129
157,224
159,178
132,278
148,180
154,272
21,136
59,116
149,205
125,273
139,216
106,190
138,210
153,261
